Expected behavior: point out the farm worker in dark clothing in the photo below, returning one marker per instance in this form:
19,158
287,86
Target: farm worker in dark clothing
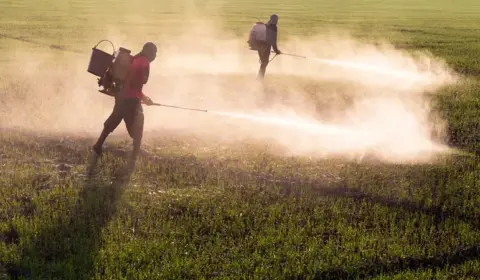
128,101
265,48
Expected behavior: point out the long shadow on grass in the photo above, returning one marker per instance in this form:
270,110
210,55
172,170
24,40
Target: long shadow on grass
456,257
197,172
298,187
67,249
371,269
436,179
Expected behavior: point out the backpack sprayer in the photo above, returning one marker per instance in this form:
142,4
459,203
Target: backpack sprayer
112,70
258,36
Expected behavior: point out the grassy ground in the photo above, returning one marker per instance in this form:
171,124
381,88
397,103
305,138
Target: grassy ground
243,213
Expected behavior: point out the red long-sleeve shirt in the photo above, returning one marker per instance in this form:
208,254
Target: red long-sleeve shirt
137,75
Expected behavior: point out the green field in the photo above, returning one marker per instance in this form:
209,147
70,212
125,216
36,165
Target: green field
198,209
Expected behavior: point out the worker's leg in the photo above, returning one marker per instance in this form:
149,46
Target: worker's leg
138,131
134,121
109,126
264,54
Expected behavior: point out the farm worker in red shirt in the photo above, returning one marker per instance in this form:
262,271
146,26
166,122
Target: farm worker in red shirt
128,102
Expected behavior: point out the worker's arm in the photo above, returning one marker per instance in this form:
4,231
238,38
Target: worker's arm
273,39
146,74
274,44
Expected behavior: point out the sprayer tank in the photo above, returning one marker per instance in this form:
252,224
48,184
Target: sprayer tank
258,32
100,61
121,64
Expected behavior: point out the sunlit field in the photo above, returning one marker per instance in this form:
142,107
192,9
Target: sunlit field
214,196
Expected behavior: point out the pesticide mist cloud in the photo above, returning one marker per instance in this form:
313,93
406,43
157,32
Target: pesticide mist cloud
372,97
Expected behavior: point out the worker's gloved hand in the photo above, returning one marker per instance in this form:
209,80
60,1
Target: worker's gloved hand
147,100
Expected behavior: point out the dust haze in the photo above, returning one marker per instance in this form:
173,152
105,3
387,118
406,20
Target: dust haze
349,98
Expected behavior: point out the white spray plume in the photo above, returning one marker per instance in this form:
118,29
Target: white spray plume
373,95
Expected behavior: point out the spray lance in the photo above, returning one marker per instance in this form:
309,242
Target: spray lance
295,55
289,54
177,107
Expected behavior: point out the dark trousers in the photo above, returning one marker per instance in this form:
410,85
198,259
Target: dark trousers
264,55
131,112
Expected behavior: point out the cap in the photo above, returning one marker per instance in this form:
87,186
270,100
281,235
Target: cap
273,19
